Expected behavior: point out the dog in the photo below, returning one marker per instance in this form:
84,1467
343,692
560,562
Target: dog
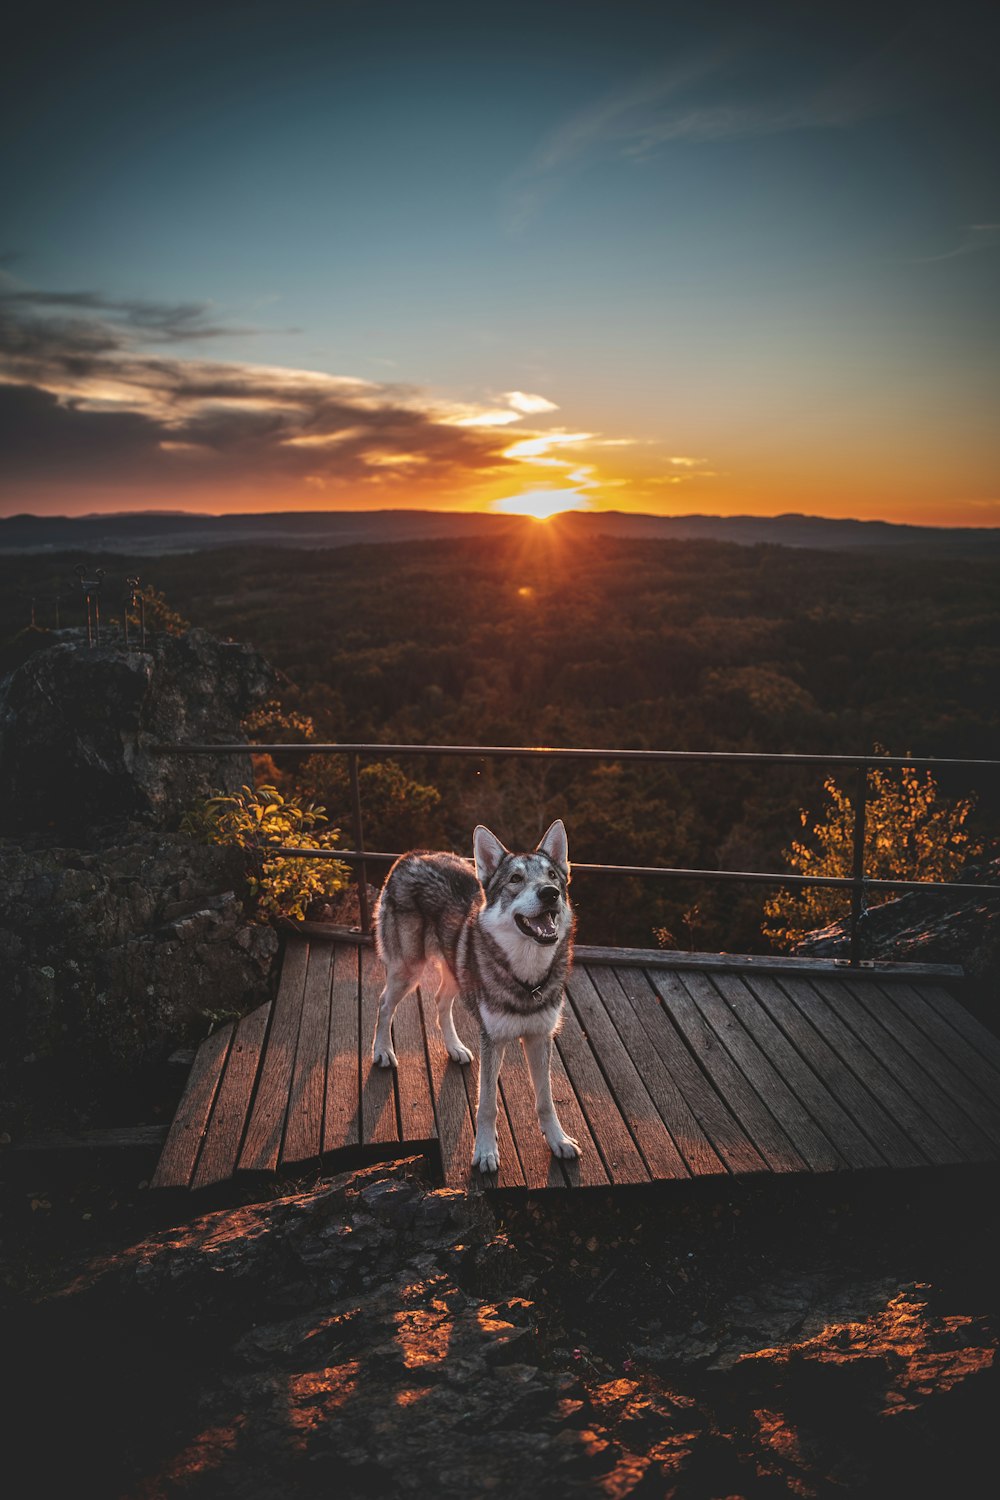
499,934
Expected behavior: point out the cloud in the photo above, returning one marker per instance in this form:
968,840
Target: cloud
977,237
93,392
166,322
684,477
523,401
537,446
742,88
670,104
81,401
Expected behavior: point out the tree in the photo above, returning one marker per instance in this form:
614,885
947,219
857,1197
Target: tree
911,833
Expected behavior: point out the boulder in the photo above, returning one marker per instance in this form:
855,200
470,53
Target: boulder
79,727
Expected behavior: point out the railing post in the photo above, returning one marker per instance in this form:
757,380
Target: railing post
362,876
858,875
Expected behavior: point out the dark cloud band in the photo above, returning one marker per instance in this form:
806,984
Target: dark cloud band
80,401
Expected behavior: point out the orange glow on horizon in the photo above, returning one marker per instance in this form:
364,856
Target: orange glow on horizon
540,505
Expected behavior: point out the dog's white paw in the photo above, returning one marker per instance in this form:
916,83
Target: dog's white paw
458,1052
384,1057
486,1156
564,1146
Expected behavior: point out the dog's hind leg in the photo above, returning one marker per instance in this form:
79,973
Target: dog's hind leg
538,1051
445,1000
400,981
486,1155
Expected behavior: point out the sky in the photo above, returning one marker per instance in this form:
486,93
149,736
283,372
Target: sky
723,258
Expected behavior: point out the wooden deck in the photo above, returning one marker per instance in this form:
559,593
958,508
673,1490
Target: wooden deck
663,1072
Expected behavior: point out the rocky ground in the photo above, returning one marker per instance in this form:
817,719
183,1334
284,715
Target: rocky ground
375,1335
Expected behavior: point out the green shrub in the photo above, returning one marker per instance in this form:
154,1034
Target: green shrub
258,820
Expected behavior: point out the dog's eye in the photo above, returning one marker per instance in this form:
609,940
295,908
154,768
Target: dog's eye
552,874
516,879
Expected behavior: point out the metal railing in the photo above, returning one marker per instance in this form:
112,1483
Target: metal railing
857,882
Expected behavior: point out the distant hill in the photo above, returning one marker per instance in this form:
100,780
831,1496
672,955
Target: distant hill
157,532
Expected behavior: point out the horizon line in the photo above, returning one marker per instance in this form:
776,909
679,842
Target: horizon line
208,516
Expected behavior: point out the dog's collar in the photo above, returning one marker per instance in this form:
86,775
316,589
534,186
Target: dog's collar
535,990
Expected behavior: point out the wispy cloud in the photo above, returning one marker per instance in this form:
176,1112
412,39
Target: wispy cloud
734,92
156,322
976,237
530,405
537,446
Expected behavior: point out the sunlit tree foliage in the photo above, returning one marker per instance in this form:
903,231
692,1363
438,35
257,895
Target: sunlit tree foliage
911,833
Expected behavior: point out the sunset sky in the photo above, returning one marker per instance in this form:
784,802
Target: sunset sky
714,257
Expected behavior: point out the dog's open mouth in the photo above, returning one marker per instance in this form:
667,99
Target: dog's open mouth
543,928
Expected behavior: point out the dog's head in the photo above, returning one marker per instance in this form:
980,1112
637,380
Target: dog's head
526,894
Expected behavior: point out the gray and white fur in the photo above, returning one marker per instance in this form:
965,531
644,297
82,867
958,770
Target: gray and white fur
499,935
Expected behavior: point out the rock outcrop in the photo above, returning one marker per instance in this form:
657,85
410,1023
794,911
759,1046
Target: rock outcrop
78,727
114,954
933,927
118,937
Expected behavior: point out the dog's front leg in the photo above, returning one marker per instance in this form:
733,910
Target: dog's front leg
538,1051
486,1155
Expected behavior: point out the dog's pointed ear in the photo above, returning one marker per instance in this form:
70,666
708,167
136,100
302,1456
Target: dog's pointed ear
554,844
488,851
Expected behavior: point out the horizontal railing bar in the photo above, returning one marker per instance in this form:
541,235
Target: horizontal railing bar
352,856
548,752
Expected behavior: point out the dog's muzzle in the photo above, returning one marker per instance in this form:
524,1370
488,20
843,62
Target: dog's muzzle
543,928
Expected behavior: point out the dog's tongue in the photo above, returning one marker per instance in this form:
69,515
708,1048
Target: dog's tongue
545,925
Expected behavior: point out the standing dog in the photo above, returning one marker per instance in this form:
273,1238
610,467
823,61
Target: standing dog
501,937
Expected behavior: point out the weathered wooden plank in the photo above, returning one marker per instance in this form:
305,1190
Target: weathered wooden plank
740,1040
541,1169
692,1142
759,963
964,1022
262,1142
884,1069
177,1162
964,1054
307,1095
651,1135
342,1117
621,1157
378,1085
760,1125
416,1107
941,1088
510,1172
715,1118
588,1169
221,1149
451,1104
803,1065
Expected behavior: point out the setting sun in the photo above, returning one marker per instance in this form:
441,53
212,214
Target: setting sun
541,504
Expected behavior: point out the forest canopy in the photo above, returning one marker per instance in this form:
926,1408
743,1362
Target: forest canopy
598,642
